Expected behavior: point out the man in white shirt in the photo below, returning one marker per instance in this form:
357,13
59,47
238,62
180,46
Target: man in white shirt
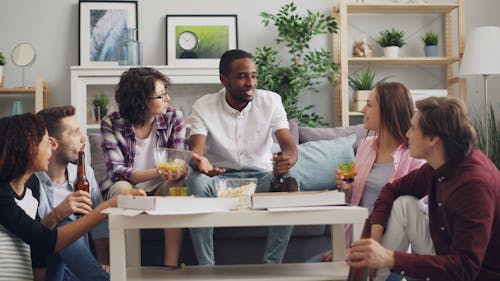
231,135
59,202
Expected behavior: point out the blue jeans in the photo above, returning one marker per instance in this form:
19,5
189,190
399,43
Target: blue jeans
203,186
75,263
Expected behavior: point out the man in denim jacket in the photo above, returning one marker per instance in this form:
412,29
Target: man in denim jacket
59,202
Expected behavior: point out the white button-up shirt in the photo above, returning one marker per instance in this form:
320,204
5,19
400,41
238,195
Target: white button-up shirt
239,140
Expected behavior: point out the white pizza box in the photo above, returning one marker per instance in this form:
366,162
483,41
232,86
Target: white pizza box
177,204
297,199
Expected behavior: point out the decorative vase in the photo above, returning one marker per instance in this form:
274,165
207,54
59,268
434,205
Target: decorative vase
17,107
99,113
391,52
431,51
130,50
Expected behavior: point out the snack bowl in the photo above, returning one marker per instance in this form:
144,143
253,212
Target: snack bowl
172,160
241,188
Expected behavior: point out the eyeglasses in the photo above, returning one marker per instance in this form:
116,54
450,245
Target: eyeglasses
162,96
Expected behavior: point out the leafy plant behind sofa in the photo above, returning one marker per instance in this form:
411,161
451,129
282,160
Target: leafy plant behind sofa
306,68
493,133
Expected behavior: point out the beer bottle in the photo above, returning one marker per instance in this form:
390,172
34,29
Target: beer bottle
81,182
281,184
278,182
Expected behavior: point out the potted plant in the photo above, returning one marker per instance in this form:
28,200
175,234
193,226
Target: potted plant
430,40
2,63
391,41
362,83
305,69
99,104
493,132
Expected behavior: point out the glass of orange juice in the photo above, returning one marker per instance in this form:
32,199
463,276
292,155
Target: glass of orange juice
348,171
178,191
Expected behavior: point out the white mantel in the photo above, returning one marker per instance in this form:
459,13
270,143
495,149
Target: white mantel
82,77
183,79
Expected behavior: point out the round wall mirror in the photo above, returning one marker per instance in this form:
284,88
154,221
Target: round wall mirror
23,55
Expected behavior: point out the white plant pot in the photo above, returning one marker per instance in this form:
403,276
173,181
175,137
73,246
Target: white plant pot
1,74
360,99
391,52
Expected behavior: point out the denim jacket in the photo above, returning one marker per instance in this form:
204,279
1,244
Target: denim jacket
46,190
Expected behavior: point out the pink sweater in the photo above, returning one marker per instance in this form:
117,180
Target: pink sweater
364,160
365,157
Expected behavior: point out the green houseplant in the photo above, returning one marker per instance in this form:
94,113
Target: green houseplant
391,41
362,83
430,40
493,133
99,104
365,80
2,63
305,69
2,59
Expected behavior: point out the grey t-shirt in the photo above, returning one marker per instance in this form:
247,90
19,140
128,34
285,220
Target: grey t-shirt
377,179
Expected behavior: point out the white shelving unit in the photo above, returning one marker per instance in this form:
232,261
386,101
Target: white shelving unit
187,85
84,78
342,55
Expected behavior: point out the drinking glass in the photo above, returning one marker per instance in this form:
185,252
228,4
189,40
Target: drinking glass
348,171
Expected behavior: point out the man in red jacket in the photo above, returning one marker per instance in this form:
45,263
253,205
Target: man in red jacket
460,238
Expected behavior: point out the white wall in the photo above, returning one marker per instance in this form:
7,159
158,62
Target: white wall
483,13
52,27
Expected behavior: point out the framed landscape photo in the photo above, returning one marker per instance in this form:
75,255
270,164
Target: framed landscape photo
200,40
102,27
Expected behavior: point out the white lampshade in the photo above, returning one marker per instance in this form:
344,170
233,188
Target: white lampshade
482,52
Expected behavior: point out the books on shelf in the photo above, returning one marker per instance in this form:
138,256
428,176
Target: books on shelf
176,204
297,199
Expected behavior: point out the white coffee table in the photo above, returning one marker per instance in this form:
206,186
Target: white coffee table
125,244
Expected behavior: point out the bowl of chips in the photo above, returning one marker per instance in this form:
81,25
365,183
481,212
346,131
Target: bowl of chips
241,188
172,160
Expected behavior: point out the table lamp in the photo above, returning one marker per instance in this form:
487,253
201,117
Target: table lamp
482,57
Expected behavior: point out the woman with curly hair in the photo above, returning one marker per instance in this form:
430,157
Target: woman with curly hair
25,148
144,121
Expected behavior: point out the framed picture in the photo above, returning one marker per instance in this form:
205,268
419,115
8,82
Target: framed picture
102,27
200,40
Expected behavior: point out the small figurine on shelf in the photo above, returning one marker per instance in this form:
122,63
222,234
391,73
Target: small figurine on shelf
361,48
99,104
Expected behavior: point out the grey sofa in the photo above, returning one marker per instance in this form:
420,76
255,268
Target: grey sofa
246,245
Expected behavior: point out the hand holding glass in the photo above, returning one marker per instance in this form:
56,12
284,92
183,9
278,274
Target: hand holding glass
348,171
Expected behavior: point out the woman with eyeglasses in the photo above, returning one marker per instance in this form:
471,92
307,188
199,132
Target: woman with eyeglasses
144,121
25,148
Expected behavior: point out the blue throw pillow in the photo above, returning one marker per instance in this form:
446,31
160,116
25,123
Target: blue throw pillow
318,160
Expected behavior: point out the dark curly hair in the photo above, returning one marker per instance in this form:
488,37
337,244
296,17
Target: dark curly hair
133,91
21,135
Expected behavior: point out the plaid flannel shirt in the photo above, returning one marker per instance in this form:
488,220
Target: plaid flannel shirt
118,143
